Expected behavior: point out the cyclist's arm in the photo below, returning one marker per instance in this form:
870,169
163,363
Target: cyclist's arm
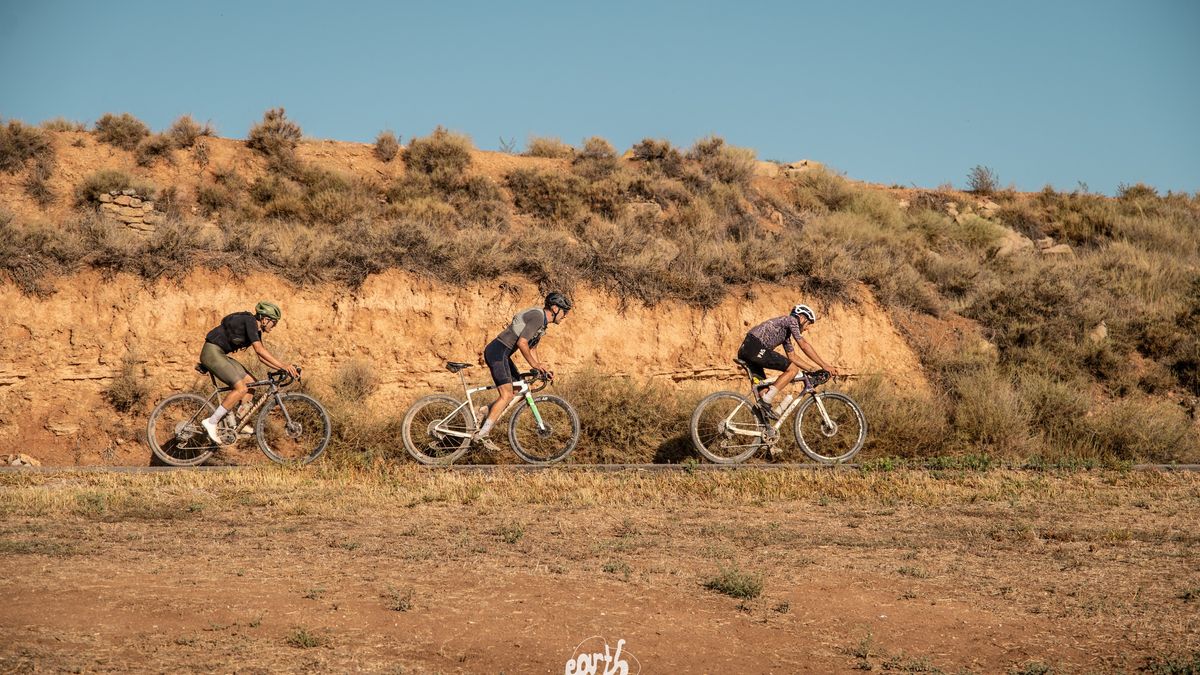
266,357
811,353
530,354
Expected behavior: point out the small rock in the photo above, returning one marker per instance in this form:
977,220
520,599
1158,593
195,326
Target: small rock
128,193
1045,243
134,201
105,198
1099,333
147,206
123,200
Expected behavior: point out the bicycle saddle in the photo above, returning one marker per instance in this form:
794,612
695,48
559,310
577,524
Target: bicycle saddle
201,368
455,366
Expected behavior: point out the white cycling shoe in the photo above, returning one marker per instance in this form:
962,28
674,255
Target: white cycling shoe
212,431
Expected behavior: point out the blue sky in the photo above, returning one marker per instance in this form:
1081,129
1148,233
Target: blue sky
1049,92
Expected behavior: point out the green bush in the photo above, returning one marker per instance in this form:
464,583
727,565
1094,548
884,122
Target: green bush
275,135
386,147
20,143
123,131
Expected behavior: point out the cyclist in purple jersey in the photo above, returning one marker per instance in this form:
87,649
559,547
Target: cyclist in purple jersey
758,349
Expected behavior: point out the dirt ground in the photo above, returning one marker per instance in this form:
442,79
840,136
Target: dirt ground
415,571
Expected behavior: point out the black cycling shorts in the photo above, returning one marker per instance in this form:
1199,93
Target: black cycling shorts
498,357
754,352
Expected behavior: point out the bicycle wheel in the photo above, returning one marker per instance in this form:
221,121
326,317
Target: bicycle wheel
726,429
553,440
293,429
837,441
174,432
425,426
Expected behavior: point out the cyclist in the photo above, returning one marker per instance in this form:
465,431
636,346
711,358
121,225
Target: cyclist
523,334
236,332
758,349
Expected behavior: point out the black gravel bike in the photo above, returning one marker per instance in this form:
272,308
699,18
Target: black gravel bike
291,427
543,429
728,427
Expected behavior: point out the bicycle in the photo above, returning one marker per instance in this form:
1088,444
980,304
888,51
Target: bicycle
728,427
438,429
291,427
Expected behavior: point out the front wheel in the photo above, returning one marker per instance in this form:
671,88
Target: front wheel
834,437
726,429
174,432
552,439
293,429
436,430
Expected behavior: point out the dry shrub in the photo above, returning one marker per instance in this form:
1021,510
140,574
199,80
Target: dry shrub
386,147
185,131
722,162
355,381
427,210
1142,428
123,131
820,190
104,181
443,156
63,124
988,412
623,420
153,148
880,208
37,181
275,136
1057,407
20,143
660,156
550,147
551,195
981,180
596,160
948,235
127,389
902,422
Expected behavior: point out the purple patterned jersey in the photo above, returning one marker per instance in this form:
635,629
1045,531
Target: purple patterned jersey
775,332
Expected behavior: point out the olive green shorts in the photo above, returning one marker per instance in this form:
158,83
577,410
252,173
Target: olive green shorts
227,369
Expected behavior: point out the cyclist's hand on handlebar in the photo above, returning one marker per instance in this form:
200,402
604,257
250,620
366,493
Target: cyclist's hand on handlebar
292,370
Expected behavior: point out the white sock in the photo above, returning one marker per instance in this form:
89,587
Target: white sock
486,428
216,417
768,394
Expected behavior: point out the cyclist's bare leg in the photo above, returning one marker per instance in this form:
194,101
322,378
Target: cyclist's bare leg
785,378
506,395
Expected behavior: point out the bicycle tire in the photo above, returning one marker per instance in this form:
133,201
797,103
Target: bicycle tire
547,445
712,437
293,429
174,434
843,411
422,443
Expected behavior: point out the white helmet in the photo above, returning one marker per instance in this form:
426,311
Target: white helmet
806,312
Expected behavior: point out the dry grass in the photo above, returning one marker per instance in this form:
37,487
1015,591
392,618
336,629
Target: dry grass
275,136
386,147
20,143
185,131
550,147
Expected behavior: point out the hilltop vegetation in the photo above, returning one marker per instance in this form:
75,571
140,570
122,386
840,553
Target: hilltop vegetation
1093,353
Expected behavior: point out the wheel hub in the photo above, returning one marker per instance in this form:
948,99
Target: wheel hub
829,430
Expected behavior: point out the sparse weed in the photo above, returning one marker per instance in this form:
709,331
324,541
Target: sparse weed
735,583
386,147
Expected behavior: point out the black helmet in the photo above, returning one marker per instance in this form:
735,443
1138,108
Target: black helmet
556,299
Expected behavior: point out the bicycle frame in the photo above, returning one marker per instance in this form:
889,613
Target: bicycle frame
259,401
809,390
521,391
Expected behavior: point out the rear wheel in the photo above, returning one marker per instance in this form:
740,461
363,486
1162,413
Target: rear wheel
436,430
726,429
548,442
174,432
836,439
293,429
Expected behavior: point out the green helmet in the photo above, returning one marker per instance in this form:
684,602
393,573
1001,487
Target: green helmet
268,309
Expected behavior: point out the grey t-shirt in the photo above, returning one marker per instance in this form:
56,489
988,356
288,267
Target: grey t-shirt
528,323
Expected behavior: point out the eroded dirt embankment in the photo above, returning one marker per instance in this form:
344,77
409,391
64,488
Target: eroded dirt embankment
60,353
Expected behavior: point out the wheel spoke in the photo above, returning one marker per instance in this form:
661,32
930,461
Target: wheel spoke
436,430
174,431
719,425
550,441
839,439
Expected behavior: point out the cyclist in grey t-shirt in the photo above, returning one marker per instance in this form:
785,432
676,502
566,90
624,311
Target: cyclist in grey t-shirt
523,334
758,349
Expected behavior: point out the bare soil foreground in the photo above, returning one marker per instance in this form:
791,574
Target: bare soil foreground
331,570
